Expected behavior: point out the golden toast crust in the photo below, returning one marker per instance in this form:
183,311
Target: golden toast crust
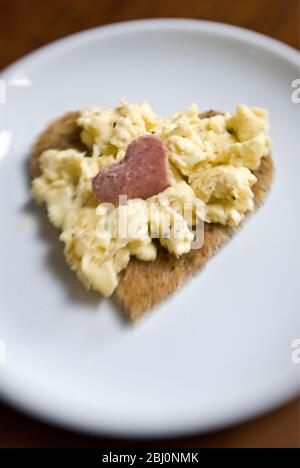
144,285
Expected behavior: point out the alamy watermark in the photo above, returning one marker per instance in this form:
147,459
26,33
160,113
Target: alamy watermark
296,351
2,92
2,352
179,222
296,92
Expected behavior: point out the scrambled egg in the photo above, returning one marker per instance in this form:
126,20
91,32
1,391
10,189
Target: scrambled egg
210,167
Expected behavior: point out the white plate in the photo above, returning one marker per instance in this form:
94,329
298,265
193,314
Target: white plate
220,350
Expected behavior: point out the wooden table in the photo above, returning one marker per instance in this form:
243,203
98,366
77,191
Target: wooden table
28,24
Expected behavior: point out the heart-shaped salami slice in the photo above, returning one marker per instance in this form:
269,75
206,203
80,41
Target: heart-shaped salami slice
141,174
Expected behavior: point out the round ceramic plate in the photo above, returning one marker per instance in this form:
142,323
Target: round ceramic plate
218,351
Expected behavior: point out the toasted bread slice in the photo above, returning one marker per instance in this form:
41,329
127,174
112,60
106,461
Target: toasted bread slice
144,285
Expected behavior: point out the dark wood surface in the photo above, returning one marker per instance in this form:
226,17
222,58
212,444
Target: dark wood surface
28,24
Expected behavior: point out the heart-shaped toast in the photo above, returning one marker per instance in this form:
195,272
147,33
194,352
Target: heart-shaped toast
141,174
143,285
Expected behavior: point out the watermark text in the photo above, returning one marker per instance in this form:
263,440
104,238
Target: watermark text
2,352
2,92
296,92
296,352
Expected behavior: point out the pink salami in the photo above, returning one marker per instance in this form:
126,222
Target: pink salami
141,174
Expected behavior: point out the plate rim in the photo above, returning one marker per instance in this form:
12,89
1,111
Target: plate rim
37,408
223,29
